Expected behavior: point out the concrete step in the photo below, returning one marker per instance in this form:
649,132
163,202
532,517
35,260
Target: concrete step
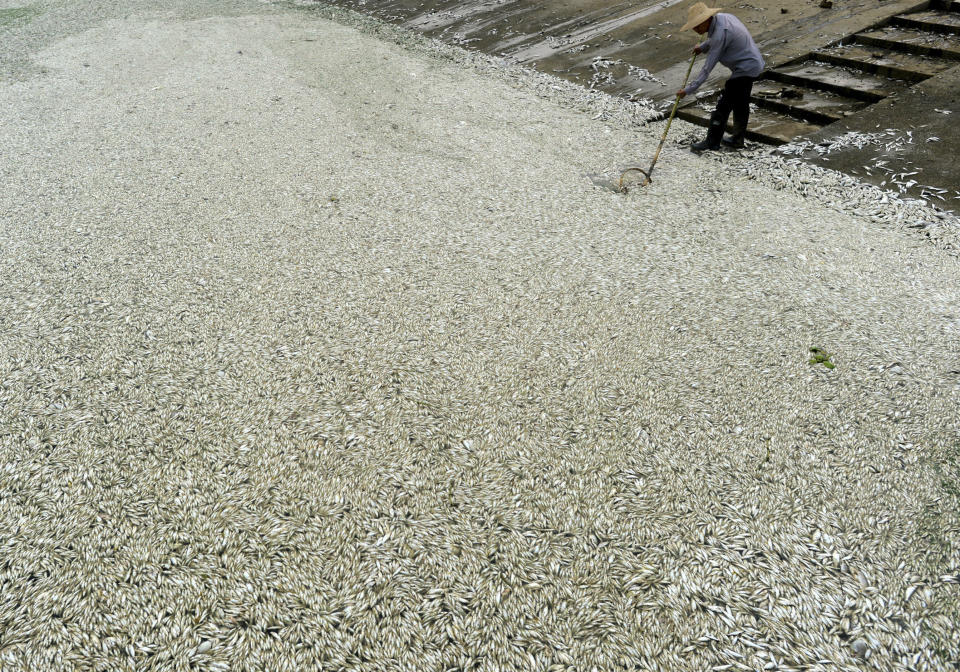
838,79
765,126
933,20
885,62
913,41
946,5
818,107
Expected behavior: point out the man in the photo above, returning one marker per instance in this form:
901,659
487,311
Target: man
728,42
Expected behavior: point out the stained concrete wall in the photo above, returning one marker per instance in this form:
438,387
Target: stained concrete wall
568,37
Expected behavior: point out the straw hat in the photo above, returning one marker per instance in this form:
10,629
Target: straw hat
698,14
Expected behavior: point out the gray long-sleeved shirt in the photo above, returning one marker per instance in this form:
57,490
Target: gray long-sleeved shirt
729,42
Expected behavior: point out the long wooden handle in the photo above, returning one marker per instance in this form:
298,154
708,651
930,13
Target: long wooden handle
670,120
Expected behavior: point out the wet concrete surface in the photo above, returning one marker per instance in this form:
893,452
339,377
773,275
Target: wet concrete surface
870,88
886,62
918,155
925,42
624,48
821,106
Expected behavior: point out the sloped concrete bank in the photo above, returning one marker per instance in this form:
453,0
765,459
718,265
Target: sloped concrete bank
620,47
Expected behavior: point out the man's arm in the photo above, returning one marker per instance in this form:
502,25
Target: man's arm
712,47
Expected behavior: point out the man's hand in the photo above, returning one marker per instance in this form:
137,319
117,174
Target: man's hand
681,93
697,50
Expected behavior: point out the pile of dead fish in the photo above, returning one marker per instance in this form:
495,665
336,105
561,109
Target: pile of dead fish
889,143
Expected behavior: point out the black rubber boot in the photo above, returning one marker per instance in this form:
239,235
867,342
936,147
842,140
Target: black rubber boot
712,141
733,141
741,114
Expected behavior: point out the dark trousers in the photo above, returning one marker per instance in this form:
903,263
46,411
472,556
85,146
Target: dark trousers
735,98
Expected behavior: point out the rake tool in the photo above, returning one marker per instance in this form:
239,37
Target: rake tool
648,173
